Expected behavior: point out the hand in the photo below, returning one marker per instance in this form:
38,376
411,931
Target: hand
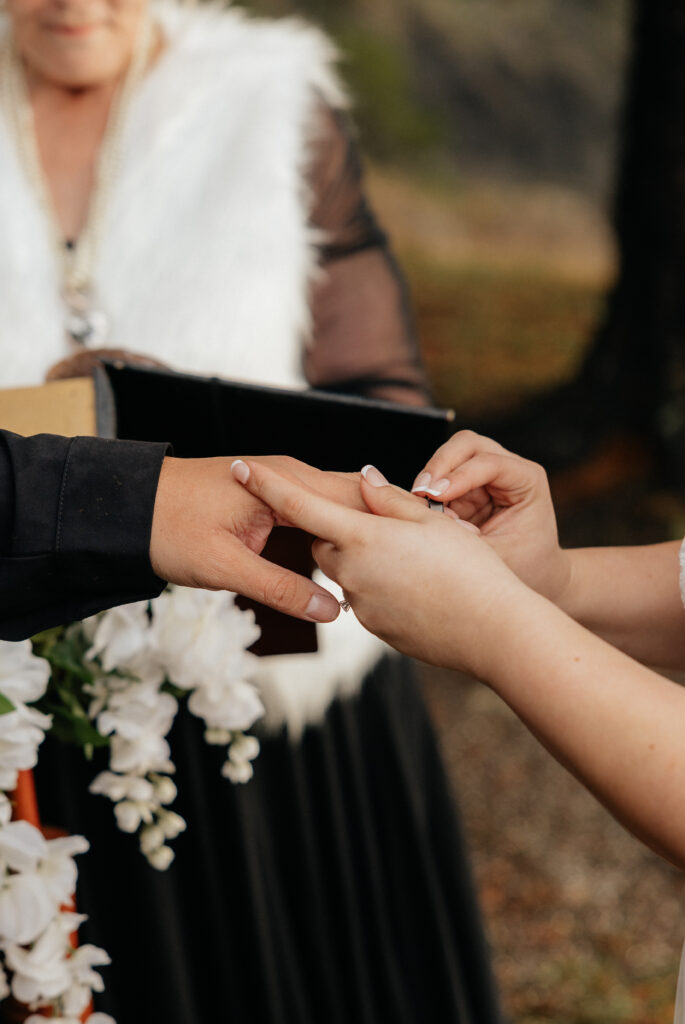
83,363
508,498
416,578
207,531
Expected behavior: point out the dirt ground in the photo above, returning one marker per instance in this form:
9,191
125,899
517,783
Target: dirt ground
586,925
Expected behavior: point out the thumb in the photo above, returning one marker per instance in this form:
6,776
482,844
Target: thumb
383,499
279,588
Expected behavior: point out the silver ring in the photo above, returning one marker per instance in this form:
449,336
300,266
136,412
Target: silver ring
435,506
345,605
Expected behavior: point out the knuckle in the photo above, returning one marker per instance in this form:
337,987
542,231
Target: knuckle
280,591
293,507
285,462
535,469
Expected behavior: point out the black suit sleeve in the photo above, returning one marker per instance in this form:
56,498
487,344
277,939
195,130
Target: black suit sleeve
75,522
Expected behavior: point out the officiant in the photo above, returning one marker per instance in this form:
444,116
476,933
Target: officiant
182,185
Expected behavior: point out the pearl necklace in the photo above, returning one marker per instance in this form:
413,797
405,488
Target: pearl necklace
85,322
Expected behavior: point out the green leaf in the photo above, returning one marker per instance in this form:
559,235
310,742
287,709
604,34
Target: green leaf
79,731
6,705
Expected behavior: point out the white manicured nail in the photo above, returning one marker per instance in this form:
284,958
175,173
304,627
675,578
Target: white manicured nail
374,477
240,470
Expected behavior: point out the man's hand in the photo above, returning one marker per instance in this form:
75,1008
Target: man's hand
208,531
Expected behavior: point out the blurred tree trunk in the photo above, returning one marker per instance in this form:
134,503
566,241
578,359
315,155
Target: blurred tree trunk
636,364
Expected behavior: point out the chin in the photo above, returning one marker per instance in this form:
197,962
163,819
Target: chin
77,62
80,74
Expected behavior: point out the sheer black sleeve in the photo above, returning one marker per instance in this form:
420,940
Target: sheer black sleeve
363,340
75,522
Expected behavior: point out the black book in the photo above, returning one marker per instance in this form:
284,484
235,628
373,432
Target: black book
203,416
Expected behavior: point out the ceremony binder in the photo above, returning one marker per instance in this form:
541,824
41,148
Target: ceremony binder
203,416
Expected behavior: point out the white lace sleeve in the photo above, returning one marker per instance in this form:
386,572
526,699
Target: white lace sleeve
682,573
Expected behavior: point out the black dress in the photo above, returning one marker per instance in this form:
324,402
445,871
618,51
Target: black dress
334,887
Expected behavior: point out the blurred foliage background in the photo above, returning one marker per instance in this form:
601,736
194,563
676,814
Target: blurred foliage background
490,129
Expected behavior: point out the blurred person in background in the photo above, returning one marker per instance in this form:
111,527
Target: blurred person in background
181,186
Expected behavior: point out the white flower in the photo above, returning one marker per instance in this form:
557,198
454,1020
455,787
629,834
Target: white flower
23,679
161,858
244,748
130,815
84,980
41,973
151,838
21,733
22,846
57,868
218,737
171,824
139,718
100,691
138,709
231,705
26,908
241,772
147,753
46,878
164,789
119,787
5,810
51,971
201,634
123,640
23,676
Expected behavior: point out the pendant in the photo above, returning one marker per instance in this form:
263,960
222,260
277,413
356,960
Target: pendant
85,326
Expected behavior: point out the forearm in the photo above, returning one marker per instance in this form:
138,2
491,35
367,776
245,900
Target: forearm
631,598
77,515
613,723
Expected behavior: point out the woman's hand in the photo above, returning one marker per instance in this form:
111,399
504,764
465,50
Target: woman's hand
418,579
83,363
508,498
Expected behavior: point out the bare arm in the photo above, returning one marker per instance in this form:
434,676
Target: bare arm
616,725
630,597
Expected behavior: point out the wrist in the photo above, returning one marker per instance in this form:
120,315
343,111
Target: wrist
505,621
523,629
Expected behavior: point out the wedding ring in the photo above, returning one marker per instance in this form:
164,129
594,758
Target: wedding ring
345,605
435,506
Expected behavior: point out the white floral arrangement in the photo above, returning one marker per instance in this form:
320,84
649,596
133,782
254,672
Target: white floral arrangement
114,680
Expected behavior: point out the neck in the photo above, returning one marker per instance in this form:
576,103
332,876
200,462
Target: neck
70,126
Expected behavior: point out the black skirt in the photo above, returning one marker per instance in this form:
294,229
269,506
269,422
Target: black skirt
333,888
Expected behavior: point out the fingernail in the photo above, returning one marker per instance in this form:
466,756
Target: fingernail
322,608
422,481
374,476
241,471
439,487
